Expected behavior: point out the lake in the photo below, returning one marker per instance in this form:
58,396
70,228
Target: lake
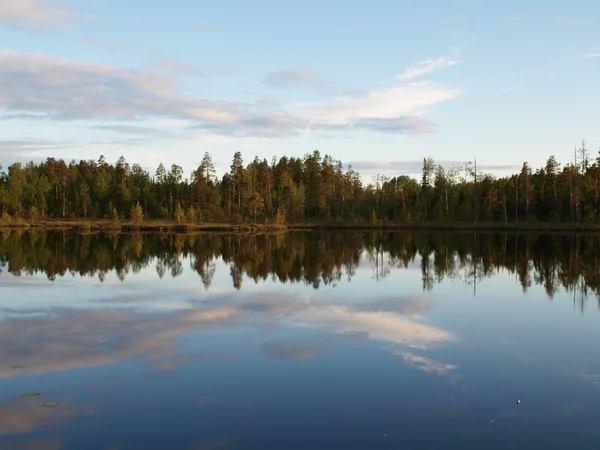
300,340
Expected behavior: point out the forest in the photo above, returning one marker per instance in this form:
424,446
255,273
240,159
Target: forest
314,188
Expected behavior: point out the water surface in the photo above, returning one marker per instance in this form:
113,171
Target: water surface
299,341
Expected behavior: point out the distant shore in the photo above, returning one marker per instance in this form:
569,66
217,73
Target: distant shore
172,226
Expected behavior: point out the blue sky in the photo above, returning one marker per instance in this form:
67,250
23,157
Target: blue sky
378,84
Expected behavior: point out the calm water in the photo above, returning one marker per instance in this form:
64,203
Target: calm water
299,341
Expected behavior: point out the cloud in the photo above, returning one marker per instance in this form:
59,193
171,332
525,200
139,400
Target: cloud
18,150
395,125
133,130
294,78
377,109
38,86
66,90
29,144
33,15
427,66
413,167
591,55
204,27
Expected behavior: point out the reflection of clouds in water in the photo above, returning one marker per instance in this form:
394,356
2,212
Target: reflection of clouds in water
402,305
83,339
296,351
592,378
425,364
80,338
25,415
380,326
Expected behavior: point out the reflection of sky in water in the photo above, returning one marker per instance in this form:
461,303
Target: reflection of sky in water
162,363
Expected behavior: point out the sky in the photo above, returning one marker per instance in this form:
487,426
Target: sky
378,84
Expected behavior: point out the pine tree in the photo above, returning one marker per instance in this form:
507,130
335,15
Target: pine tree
136,215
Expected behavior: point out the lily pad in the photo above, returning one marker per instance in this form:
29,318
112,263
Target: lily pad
18,366
31,394
50,405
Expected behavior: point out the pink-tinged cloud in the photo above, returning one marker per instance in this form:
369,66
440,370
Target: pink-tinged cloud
40,86
34,15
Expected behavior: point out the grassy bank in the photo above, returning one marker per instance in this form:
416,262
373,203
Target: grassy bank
150,225
171,226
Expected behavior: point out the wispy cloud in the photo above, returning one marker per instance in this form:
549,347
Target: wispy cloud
133,130
427,66
391,110
34,15
66,89
591,55
294,78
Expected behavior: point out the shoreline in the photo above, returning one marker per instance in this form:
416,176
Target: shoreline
167,226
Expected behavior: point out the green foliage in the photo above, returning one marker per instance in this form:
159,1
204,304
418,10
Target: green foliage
136,214
179,214
6,218
34,214
191,215
280,218
116,223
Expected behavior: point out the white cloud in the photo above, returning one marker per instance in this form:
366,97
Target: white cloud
384,104
33,14
41,87
591,55
427,66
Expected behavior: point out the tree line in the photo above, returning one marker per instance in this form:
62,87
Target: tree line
292,190
317,259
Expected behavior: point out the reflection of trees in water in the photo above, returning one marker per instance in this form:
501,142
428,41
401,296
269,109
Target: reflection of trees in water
315,258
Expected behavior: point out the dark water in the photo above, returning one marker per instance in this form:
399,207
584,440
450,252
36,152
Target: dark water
300,341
